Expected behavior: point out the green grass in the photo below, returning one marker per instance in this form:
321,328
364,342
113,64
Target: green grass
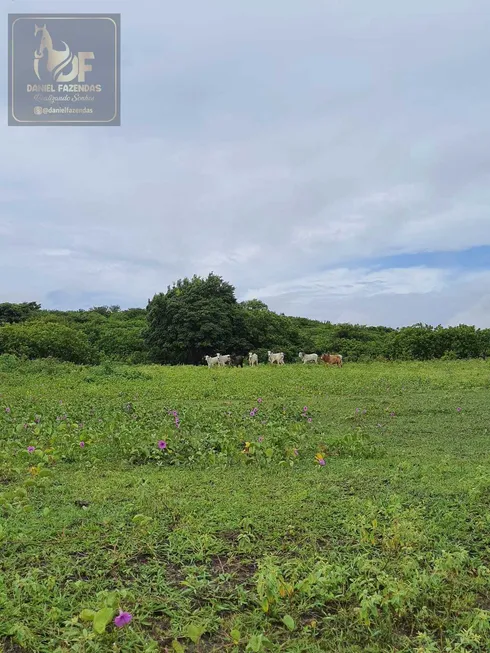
215,545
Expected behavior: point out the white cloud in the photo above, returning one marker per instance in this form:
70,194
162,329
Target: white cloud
392,297
476,313
266,143
56,252
346,283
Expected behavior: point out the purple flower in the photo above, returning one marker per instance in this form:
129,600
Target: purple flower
82,444
392,414
162,444
7,410
261,439
31,449
259,400
458,409
309,419
122,619
321,462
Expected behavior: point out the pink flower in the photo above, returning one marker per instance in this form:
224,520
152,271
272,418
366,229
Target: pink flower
309,419
259,400
261,439
458,409
162,444
7,410
122,619
82,444
305,409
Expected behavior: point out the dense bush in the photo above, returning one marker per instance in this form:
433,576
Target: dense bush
43,340
199,316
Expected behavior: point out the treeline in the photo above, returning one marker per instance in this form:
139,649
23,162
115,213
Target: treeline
200,316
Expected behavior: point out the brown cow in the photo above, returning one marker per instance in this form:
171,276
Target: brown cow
330,359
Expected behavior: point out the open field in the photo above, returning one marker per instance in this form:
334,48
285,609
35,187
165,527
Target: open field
229,535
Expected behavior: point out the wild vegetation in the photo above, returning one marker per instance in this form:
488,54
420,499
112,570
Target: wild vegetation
196,317
296,508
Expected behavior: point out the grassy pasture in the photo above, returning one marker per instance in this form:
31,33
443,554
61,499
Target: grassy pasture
231,536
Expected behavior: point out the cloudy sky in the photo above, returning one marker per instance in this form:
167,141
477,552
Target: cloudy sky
331,158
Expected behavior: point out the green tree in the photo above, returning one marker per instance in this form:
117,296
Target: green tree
193,318
265,330
15,313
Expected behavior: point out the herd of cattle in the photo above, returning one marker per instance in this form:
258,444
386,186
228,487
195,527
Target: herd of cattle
221,360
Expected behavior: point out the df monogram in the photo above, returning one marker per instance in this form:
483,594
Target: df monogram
58,61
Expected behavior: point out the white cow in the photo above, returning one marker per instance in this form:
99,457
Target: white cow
278,358
308,358
223,359
212,362
253,359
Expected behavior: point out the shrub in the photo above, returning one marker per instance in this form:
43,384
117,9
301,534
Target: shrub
42,340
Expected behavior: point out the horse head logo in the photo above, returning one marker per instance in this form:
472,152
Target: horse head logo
57,60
